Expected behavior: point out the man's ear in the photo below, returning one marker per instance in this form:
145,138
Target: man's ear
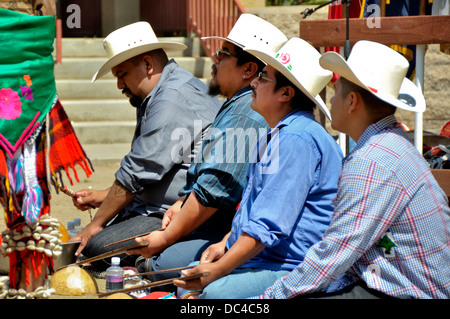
148,61
287,93
353,101
250,70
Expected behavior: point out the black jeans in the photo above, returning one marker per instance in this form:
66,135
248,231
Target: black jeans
118,230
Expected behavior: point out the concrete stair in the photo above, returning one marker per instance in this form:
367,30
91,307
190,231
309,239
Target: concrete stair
101,116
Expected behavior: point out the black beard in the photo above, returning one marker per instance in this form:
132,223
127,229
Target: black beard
214,90
135,101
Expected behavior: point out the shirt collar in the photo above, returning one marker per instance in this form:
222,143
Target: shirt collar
292,116
388,122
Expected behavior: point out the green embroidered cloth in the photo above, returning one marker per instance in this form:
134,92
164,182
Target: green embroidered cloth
27,83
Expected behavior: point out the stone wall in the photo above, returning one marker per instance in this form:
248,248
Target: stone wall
437,66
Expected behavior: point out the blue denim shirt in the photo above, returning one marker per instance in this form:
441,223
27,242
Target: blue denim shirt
287,202
154,169
217,175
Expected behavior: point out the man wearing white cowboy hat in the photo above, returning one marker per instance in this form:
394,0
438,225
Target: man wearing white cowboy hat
166,98
216,181
287,202
389,235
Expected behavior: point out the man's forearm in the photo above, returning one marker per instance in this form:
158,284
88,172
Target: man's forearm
244,249
118,197
190,216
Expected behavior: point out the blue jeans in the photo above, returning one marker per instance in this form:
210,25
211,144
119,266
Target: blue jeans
242,283
181,254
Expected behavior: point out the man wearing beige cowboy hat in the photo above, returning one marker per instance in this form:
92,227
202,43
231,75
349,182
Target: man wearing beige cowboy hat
389,235
216,181
287,203
167,98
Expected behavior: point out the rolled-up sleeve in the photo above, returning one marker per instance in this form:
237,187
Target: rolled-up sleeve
222,175
279,196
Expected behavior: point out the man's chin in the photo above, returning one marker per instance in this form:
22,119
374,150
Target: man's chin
214,89
135,101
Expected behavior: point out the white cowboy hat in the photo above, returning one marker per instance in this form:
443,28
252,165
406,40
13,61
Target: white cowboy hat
298,61
250,30
381,71
130,41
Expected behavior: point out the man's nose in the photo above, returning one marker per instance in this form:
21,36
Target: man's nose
120,84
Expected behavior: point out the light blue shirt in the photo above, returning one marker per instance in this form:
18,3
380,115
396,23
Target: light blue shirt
287,201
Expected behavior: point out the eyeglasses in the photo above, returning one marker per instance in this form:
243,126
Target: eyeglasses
220,53
262,77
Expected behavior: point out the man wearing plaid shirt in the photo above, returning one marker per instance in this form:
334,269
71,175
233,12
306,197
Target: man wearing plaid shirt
389,235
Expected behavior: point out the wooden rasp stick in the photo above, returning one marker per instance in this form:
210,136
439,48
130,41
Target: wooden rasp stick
126,239
154,284
110,253
69,192
157,271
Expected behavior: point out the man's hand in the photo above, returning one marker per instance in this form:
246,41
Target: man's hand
214,252
170,214
85,235
157,243
215,272
88,198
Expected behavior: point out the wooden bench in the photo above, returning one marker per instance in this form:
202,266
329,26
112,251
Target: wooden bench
443,178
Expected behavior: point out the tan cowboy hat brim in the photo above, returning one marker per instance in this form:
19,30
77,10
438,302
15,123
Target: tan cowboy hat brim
224,39
270,59
132,52
410,97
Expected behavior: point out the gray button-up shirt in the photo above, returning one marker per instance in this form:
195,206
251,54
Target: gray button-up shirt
168,124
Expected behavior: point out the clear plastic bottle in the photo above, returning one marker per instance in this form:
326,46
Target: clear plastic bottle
113,282
77,224
71,229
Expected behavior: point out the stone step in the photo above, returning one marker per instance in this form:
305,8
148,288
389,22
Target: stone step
100,154
85,68
74,89
93,47
99,110
106,132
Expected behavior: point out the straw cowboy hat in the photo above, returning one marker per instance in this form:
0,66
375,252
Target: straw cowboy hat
250,30
298,61
130,41
381,71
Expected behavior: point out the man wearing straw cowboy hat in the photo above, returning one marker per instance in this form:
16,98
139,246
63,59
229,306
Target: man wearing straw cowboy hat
287,203
216,181
389,235
166,98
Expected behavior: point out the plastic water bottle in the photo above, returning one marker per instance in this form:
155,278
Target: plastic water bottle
113,274
71,229
77,224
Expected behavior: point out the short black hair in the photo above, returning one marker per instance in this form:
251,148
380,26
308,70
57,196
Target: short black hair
300,100
245,57
374,106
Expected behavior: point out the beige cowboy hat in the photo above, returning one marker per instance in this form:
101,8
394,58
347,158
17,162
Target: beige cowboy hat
130,41
250,30
298,61
381,71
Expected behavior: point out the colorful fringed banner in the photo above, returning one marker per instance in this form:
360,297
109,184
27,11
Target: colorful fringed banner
27,83
65,148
